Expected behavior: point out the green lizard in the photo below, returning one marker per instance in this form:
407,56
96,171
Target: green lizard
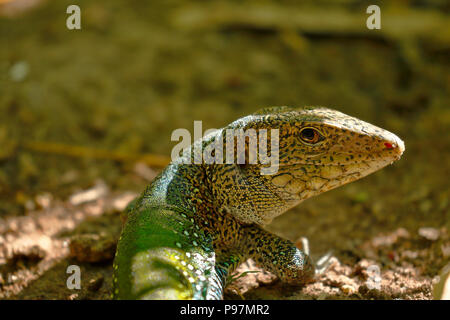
195,223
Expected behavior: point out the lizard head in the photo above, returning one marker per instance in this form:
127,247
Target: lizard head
319,149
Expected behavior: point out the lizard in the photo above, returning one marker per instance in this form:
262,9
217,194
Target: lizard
195,223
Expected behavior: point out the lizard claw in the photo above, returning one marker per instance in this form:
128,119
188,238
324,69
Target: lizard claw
303,244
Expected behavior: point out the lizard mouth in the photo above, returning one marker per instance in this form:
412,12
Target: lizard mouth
304,179
389,151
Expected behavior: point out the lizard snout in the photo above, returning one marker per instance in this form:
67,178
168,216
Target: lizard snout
395,144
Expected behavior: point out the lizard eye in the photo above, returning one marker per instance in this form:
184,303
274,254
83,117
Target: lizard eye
310,135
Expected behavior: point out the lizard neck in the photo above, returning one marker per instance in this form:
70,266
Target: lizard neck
248,196
182,187
187,189
218,191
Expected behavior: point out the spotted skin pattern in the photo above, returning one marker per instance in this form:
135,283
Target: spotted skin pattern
196,223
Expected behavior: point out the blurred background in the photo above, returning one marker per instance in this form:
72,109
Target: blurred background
100,103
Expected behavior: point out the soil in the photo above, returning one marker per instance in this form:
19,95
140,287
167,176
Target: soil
37,250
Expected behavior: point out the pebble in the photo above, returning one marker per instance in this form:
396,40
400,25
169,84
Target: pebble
431,234
100,189
92,247
348,289
96,283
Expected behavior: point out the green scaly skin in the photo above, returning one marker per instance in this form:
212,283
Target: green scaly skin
196,222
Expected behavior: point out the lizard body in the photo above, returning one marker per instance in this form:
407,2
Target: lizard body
195,223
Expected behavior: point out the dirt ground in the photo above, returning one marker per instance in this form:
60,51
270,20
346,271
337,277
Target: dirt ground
37,249
86,120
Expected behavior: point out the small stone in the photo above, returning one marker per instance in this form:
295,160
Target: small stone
431,234
371,293
92,247
96,283
348,289
30,205
445,250
335,280
44,200
361,268
11,278
73,296
99,190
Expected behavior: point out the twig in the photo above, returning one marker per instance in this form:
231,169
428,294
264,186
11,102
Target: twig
431,26
86,152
